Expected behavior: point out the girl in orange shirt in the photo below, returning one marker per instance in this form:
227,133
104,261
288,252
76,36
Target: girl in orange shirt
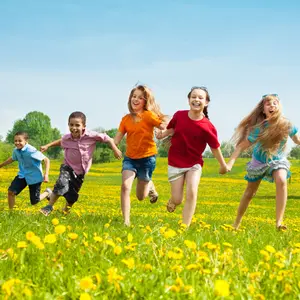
140,157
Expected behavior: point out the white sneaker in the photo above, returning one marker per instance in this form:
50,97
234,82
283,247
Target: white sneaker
49,191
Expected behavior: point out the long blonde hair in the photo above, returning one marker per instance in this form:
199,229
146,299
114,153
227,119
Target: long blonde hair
150,103
273,130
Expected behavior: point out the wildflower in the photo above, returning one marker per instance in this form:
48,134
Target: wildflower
149,240
148,267
8,285
117,250
29,235
221,288
27,292
129,237
169,233
190,244
86,283
227,245
21,244
60,229
113,277
287,288
131,247
85,296
110,243
106,225
177,268
98,239
270,249
73,236
55,221
129,262
50,239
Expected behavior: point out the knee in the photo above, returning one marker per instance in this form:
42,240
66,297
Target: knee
125,188
11,193
177,200
280,182
249,194
140,197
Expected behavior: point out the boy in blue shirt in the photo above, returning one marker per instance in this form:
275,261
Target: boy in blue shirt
30,170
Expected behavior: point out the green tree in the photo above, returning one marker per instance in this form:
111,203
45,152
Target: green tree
295,152
5,151
38,127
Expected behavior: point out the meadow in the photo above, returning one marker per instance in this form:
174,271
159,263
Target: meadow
90,254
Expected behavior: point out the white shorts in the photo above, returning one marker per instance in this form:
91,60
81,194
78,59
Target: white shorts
175,173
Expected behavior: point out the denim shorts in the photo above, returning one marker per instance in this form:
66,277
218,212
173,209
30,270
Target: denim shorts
19,184
143,167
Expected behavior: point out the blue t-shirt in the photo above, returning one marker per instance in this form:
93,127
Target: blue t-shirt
29,160
261,155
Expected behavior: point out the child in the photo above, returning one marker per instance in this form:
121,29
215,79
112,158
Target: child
267,131
191,131
140,157
78,146
30,170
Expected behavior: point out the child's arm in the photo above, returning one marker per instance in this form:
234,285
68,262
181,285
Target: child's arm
115,149
118,138
7,162
47,168
219,156
52,144
164,133
239,148
296,139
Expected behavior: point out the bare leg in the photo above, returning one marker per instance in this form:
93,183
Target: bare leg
246,199
127,180
176,193
67,207
45,194
142,188
11,198
192,178
281,194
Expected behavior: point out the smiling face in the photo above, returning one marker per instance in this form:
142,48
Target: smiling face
270,106
198,100
137,101
76,127
20,141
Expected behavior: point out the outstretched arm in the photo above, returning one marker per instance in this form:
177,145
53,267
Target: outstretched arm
238,150
113,146
296,139
219,156
118,138
47,168
52,144
7,162
160,134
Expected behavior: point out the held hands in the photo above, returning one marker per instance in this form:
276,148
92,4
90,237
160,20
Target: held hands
159,134
224,169
44,148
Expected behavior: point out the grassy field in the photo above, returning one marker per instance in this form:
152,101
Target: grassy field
89,254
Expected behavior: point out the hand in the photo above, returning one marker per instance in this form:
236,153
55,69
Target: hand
223,169
229,165
46,178
118,153
44,148
158,134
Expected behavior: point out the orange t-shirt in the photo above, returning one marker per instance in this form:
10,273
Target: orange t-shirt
139,140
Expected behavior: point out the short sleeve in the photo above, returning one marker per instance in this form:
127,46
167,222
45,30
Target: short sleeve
212,139
293,131
122,127
253,135
99,137
173,121
14,155
154,119
38,155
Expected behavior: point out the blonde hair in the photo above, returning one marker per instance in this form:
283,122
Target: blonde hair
150,103
271,136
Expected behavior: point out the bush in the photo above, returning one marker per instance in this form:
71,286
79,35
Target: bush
5,151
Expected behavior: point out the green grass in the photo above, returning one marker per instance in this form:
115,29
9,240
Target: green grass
165,266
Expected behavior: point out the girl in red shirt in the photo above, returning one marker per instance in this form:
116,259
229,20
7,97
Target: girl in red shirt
191,131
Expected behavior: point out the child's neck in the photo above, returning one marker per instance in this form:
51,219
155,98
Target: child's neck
196,115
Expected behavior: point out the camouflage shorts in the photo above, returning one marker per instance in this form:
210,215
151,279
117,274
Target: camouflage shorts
68,184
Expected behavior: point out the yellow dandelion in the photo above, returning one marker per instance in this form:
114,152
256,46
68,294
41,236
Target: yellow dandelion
270,249
148,267
55,221
85,296
106,225
73,236
190,244
29,235
59,229
169,233
98,239
129,237
110,243
149,240
86,283
27,292
221,288
50,239
129,262
117,250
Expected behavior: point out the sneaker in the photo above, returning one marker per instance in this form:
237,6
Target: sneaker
153,195
170,206
49,191
46,211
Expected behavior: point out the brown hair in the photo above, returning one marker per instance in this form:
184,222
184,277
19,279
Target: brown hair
271,136
24,134
205,111
79,115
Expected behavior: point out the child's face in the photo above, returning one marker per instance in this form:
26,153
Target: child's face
270,106
19,141
197,100
76,127
137,101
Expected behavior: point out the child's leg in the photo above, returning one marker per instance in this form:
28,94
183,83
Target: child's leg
281,194
192,178
176,193
45,194
11,198
143,188
246,199
127,180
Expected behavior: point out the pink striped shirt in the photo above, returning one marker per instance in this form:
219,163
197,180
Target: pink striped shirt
79,152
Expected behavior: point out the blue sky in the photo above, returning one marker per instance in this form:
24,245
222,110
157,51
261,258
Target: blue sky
60,56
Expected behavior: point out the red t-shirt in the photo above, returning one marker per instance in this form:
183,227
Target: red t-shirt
190,139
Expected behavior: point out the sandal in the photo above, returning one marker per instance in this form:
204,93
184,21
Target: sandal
153,195
171,206
46,211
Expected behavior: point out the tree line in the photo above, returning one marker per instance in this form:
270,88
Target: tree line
40,131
